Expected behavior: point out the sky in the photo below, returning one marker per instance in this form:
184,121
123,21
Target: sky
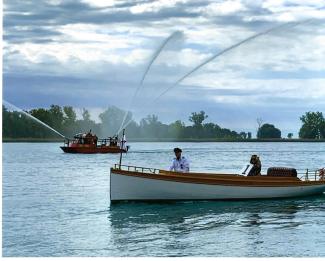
93,54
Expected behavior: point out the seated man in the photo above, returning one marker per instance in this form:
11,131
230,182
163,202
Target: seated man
180,164
257,166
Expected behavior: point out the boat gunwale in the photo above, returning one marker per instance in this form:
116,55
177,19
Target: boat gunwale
221,179
92,150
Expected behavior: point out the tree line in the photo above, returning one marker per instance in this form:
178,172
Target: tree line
64,119
313,127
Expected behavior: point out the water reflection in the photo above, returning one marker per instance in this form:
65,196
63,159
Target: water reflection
57,204
204,226
254,212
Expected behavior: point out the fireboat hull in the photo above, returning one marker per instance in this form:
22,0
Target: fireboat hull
91,150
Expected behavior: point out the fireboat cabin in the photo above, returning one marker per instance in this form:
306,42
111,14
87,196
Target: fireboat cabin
89,143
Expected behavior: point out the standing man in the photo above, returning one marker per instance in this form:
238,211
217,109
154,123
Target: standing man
180,164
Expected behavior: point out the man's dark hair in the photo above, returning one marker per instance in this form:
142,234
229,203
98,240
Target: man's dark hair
177,150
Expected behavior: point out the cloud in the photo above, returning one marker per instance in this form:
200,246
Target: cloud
223,8
154,7
55,51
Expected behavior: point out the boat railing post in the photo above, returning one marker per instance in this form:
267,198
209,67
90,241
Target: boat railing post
306,177
121,149
315,174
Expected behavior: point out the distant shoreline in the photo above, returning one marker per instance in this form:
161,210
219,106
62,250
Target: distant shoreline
31,140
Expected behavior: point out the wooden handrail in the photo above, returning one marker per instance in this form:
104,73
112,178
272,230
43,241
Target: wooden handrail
137,169
302,177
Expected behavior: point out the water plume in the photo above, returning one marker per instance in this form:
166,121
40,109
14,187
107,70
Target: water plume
32,117
228,49
174,35
224,51
153,58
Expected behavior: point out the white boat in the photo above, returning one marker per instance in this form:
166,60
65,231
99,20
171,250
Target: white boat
138,183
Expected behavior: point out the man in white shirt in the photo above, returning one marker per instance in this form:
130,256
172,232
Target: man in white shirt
180,164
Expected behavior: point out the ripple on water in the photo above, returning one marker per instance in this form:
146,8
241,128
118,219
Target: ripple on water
57,204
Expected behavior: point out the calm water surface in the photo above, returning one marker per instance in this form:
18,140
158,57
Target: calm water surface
57,204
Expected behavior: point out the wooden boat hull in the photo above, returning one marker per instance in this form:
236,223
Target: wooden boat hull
128,185
91,150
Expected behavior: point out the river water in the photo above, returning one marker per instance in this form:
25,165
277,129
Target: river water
57,204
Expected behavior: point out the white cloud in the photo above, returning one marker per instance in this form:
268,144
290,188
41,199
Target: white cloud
154,6
285,5
85,54
259,92
287,11
85,33
54,2
223,8
101,3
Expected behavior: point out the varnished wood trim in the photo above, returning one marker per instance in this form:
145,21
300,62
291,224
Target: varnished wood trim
228,176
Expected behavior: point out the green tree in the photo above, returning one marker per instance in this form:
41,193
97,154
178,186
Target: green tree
56,116
313,126
198,118
5,122
290,135
197,130
112,119
17,125
243,135
133,130
43,115
85,115
69,123
34,129
268,131
86,124
151,127
70,115
209,130
176,129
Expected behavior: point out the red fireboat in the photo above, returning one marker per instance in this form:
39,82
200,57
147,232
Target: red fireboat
88,143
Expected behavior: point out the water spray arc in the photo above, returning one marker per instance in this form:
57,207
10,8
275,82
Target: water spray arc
32,117
152,60
224,51
228,49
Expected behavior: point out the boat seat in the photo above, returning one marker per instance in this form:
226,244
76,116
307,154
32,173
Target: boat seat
281,172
